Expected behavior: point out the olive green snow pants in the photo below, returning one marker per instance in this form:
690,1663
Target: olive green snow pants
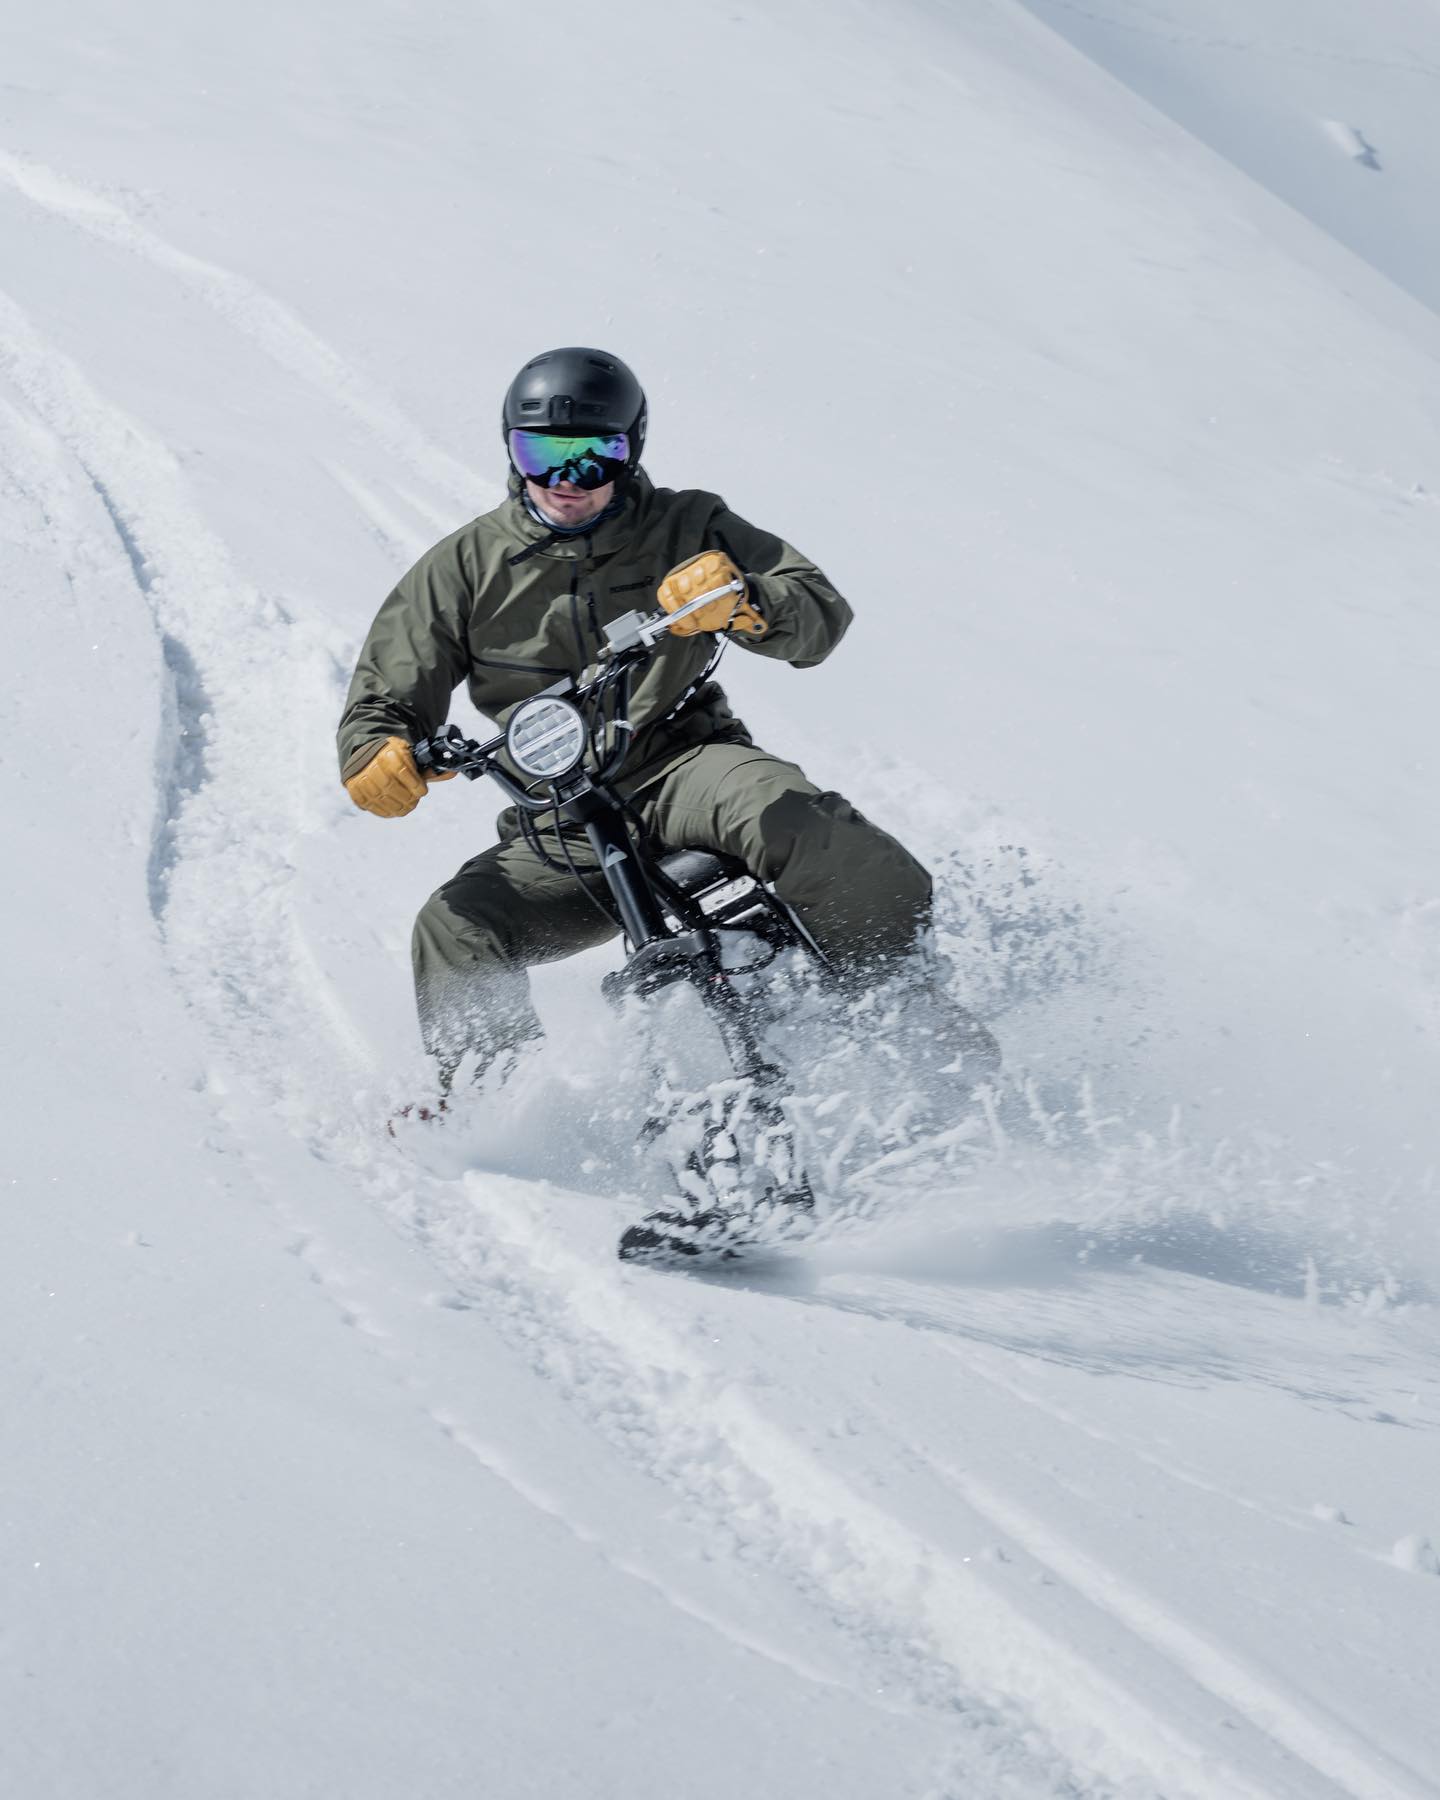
861,894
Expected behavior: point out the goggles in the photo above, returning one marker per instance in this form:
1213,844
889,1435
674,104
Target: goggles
585,462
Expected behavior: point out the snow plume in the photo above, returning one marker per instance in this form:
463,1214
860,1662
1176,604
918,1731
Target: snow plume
1028,1177
1013,933
1255,1213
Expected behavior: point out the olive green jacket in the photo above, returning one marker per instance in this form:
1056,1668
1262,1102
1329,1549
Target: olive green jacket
509,608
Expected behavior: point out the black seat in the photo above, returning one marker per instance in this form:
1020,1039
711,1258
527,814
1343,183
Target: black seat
693,871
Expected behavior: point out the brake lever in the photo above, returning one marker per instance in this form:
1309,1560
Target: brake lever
451,752
637,630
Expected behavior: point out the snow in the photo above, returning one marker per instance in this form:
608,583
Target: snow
1103,1464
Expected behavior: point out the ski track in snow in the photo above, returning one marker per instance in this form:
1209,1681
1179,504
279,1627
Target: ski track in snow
258,316
704,1437
1033,1714
1347,1761
323,1264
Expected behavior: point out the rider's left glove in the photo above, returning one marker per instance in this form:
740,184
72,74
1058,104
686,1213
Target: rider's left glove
731,612
390,785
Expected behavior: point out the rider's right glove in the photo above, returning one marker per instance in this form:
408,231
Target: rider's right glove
390,785
700,575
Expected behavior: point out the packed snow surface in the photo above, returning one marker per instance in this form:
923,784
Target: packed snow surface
1091,351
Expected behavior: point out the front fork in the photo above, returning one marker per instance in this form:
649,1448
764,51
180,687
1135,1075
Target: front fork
604,826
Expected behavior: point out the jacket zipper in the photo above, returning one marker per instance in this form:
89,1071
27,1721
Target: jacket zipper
519,668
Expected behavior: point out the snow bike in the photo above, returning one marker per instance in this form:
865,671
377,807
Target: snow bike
692,919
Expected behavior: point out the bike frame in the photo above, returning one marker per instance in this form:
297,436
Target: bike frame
660,953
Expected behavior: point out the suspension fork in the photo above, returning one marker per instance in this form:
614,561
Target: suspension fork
609,837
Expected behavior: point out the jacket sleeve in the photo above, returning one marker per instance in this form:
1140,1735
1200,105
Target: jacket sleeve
414,658
806,616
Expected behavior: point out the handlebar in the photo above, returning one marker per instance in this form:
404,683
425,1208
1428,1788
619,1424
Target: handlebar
628,639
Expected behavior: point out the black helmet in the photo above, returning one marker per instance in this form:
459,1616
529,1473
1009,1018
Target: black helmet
577,392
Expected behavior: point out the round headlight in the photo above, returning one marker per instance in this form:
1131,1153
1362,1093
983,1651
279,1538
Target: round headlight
545,737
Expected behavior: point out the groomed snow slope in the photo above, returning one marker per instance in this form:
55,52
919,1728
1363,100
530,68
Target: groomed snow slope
1099,1467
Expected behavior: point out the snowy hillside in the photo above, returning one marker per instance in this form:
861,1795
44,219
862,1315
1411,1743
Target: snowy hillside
1091,352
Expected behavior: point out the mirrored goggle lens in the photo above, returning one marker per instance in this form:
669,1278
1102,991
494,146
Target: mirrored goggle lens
585,462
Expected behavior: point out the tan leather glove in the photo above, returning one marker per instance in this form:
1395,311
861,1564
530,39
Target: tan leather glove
390,785
690,579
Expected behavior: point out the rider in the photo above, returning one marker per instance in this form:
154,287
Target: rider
514,601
